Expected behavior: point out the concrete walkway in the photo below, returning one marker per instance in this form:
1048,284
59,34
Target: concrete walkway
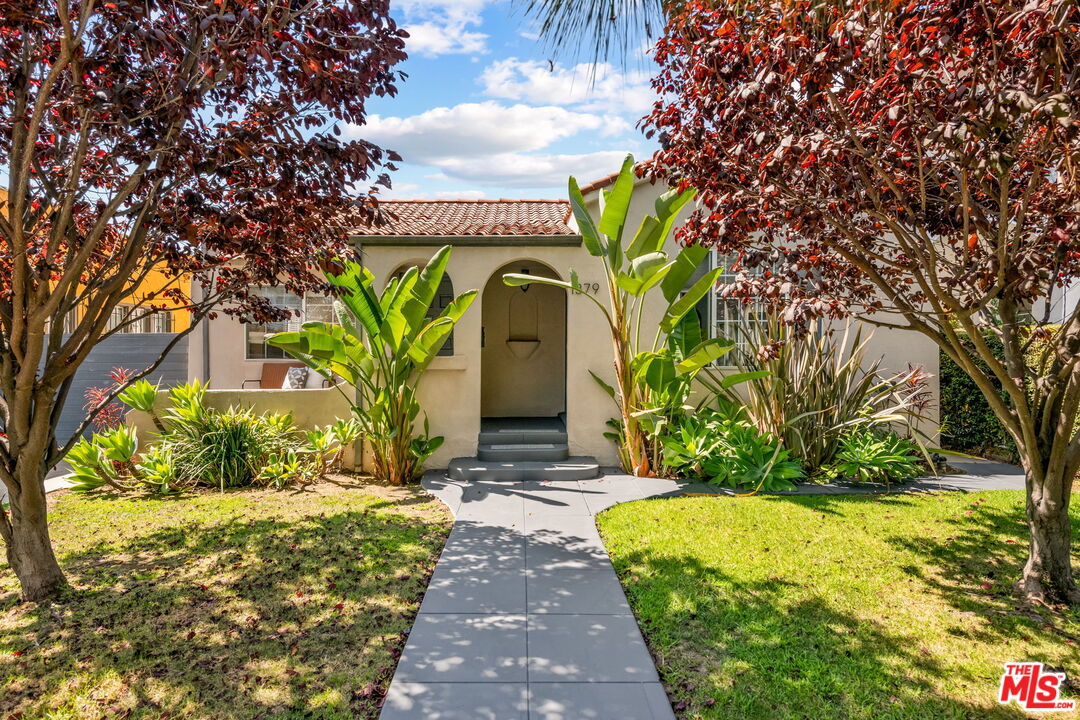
52,483
525,618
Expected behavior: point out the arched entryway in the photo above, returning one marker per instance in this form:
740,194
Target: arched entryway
523,354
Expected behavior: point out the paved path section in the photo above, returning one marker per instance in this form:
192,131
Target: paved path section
525,618
52,482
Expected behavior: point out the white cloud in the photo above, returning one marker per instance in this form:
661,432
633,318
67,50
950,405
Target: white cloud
430,39
442,27
452,195
399,191
606,89
411,191
480,130
535,170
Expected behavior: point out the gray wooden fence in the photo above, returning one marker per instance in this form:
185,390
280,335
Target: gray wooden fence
133,351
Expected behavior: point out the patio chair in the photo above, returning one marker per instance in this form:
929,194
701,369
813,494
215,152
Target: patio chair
273,375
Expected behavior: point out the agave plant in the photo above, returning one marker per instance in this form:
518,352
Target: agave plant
381,346
631,271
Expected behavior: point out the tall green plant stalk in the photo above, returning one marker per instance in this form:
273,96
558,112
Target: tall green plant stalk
381,346
630,271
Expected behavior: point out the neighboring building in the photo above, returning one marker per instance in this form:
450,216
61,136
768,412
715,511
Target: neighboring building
518,352
134,346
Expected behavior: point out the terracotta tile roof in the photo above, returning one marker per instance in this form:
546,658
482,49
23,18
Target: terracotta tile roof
603,182
473,218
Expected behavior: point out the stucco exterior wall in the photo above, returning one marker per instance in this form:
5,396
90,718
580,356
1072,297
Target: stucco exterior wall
451,390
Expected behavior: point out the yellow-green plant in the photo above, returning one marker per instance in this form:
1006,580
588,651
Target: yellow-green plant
381,346
631,270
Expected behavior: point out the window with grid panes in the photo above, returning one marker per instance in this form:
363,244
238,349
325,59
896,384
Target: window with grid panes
312,308
725,317
443,297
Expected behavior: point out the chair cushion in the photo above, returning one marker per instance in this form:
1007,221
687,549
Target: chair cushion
295,378
314,380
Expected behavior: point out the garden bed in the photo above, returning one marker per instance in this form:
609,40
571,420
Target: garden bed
244,604
836,606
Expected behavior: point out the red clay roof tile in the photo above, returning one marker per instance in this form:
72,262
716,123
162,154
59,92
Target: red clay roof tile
473,218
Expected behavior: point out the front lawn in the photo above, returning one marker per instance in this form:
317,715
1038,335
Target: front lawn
835,606
242,605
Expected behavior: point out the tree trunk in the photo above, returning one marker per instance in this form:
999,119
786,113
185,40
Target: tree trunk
1048,575
29,551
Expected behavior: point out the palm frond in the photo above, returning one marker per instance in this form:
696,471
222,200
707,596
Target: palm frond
596,30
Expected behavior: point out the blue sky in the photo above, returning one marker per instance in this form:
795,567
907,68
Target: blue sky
484,115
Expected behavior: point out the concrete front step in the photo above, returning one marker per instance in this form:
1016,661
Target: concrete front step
514,452
520,436
575,468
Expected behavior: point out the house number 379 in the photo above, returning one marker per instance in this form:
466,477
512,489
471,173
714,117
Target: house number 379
588,288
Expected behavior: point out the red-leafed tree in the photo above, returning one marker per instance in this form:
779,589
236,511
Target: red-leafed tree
191,137
916,163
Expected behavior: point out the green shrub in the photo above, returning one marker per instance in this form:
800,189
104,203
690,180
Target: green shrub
813,388
869,456
967,422
722,447
692,440
105,460
753,460
198,445
228,449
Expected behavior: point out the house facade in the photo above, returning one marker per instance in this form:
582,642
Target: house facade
520,354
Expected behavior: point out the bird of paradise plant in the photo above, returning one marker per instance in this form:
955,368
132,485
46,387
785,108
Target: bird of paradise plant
381,346
631,271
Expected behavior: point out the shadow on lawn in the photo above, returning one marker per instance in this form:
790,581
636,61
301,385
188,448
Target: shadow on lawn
972,560
251,617
739,650
754,651
975,566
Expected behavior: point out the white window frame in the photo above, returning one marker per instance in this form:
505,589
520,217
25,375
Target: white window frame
713,320
146,322
311,307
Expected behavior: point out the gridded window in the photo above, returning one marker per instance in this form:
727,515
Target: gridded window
312,308
726,317
131,319
163,322
319,308
443,297
732,317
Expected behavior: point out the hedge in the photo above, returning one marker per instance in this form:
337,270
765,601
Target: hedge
967,422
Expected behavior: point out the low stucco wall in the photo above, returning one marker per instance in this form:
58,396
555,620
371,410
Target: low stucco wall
309,408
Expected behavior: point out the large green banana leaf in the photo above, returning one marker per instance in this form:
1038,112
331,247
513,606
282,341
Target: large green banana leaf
692,297
616,204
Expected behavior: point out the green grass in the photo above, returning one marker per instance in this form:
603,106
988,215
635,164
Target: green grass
830,607
241,605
